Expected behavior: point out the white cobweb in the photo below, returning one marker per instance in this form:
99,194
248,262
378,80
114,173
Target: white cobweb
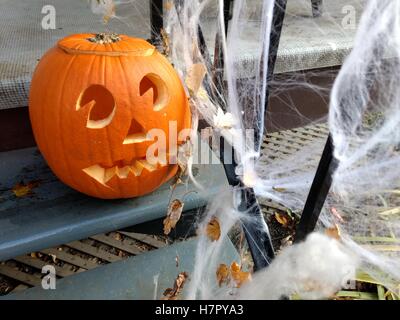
364,121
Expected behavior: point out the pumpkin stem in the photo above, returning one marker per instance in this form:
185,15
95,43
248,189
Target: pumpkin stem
105,38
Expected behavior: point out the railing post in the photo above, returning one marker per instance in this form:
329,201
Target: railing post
156,19
319,191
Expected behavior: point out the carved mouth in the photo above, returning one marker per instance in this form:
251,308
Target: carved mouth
105,174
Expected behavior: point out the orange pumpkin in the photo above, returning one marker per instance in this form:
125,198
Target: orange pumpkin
93,99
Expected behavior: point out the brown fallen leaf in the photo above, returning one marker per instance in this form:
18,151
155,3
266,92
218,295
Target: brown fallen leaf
165,43
173,293
336,214
34,255
173,215
21,189
333,232
108,9
213,229
121,253
281,218
239,276
117,236
185,151
223,274
168,5
53,258
194,78
286,242
278,189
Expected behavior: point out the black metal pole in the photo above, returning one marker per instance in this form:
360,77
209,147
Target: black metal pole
256,232
318,192
156,19
277,24
258,237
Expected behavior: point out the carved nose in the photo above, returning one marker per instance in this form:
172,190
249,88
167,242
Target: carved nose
136,133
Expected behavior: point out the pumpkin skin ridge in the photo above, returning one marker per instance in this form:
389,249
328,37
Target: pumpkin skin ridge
123,73
59,116
109,148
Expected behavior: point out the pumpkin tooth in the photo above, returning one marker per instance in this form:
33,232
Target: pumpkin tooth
109,173
145,164
123,172
136,169
96,172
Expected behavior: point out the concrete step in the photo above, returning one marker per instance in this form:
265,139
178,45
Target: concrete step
307,42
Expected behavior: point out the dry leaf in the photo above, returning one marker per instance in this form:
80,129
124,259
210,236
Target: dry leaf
286,242
168,5
117,236
21,189
185,151
194,78
337,215
105,8
173,215
34,255
278,189
239,276
165,43
110,12
281,218
54,258
213,229
173,293
223,274
333,232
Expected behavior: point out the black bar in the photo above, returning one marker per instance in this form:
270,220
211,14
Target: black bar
227,14
319,191
256,232
277,24
316,8
156,20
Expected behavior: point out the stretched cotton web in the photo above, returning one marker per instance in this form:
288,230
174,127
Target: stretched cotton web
364,117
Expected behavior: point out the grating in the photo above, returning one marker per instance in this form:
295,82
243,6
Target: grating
23,272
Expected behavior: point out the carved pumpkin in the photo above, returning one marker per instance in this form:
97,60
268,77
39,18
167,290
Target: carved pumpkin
93,99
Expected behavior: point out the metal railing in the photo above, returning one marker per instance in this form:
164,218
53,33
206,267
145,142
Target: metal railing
257,234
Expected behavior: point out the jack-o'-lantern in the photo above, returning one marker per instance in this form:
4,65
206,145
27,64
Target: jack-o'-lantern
93,99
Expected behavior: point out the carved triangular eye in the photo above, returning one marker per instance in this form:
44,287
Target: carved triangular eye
154,83
101,104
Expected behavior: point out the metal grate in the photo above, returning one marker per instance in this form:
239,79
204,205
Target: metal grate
280,145
23,272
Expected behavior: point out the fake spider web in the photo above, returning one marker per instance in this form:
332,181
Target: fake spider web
364,118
